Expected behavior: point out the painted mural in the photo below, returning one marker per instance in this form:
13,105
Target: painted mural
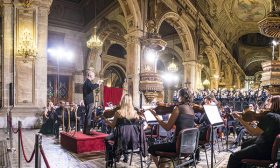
249,10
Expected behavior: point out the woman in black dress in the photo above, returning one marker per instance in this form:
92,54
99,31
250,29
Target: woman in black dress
182,117
47,127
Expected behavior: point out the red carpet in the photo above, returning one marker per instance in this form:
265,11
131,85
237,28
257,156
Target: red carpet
78,142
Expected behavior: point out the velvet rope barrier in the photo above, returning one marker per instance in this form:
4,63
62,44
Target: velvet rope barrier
44,157
11,125
25,158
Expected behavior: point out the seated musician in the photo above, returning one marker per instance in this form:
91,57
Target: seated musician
182,117
266,131
47,127
61,110
126,136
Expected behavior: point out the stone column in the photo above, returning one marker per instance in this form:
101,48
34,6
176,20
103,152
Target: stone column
8,55
214,82
7,58
30,75
133,64
189,74
94,61
198,76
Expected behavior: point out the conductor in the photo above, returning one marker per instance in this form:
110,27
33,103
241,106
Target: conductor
88,89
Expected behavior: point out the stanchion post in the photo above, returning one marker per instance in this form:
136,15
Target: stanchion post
19,146
10,132
7,128
38,143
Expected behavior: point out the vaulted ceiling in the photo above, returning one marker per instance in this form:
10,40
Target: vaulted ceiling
79,14
235,22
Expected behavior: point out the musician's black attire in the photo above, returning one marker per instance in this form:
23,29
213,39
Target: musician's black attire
88,88
261,147
58,120
183,121
81,115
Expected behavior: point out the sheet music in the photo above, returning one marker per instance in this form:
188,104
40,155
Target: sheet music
150,117
213,114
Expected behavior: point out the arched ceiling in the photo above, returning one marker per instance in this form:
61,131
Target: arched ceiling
78,14
235,22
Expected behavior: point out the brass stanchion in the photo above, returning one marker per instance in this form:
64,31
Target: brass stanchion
38,143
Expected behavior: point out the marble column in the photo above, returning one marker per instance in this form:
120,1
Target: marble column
133,64
7,61
198,76
28,75
189,74
94,61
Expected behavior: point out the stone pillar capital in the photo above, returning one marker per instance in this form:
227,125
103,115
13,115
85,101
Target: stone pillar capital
134,36
190,62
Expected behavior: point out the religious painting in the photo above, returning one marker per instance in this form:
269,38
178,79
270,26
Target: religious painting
249,10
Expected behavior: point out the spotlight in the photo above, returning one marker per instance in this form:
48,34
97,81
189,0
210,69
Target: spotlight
275,43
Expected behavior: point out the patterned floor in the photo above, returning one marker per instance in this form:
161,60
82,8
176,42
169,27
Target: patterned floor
61,158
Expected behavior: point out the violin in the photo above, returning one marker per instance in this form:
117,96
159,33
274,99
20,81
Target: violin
165,108
111,112
198,108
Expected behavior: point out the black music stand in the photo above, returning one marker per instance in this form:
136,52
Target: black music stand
215,120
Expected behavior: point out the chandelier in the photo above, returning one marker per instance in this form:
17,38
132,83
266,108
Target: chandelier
26,46
172,66
270,25
94,42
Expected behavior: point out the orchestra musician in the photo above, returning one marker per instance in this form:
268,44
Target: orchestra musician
126,137
88,96
182,117
266,131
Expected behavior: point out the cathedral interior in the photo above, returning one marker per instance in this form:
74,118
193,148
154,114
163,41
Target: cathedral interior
163,45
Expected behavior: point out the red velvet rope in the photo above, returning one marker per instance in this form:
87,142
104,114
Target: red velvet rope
44,157
25,158
11,125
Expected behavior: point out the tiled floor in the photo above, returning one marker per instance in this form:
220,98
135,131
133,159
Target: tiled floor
60,158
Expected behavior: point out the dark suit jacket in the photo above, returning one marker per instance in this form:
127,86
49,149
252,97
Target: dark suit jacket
88,88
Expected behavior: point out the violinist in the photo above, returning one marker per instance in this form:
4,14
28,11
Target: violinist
126,135
182,117
266,131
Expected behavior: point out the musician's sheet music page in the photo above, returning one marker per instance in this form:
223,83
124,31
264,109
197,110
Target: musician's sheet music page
213,114
148,115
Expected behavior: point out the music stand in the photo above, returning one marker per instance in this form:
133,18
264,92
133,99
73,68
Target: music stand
214,117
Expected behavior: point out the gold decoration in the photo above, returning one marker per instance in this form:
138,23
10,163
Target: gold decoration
172,67
94,42
26,47
150,84
271,76
270,25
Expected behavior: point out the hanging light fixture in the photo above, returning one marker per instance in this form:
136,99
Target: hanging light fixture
172,67
94,42
27,48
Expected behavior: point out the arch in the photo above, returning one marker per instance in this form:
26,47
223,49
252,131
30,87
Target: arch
183,31
117,51
116,74
112,64
132,14
213,60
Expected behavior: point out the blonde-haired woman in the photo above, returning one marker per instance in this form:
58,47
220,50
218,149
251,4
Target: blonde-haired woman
127,133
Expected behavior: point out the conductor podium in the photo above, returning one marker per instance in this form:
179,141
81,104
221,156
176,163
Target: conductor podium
78,142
